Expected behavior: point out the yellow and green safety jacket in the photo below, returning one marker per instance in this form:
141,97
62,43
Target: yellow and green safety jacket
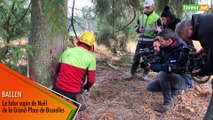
148,22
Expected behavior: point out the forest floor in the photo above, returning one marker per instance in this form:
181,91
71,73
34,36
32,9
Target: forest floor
114,98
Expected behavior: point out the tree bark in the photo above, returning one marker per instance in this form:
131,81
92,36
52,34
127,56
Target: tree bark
47,50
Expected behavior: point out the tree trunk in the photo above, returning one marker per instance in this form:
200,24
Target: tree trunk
47,49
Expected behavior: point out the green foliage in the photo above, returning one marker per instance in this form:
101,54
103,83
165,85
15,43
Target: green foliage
57,17
114,18
176,7
14,24
14,19
15,54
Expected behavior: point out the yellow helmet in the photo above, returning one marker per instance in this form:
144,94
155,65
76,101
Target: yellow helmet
87,38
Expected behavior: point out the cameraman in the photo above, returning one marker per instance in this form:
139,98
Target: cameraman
156,45
167,82
151,55
199,28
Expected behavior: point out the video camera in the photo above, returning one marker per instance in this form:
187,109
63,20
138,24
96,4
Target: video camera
188,60
149,56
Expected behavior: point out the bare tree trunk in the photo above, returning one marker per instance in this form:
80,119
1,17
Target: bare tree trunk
47,51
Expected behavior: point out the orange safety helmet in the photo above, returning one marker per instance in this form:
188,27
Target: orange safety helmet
87,38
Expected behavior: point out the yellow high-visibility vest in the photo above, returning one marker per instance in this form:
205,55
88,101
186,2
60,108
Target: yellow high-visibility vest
148,22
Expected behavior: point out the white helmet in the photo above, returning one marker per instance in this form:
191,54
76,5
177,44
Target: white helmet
148,3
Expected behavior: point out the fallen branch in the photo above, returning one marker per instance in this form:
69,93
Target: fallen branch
124,65
197,87
112,66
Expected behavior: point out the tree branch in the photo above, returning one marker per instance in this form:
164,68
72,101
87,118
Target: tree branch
130,21
4,52
7,23
22,17
72,20
10,31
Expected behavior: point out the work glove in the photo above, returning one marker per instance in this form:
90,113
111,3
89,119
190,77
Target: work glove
86,87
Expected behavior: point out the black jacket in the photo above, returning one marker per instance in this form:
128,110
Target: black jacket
203,31
173,23
168,54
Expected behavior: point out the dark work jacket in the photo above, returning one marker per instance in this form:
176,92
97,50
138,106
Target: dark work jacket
173,23
203,31
170,53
